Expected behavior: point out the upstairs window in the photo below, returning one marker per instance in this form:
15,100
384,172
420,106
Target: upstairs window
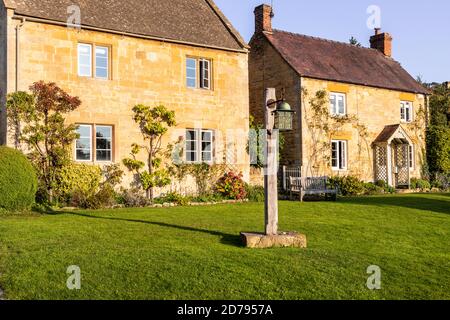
339,155
93,59
199,146
84,60
198,73
338,105
406,111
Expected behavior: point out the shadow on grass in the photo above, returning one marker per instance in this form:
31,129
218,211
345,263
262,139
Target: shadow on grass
407,201
227,239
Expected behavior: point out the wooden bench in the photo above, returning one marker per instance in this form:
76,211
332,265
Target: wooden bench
311,186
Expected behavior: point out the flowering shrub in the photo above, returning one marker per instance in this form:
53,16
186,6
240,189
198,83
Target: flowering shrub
232,186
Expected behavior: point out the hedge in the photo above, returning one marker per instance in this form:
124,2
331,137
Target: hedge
18,181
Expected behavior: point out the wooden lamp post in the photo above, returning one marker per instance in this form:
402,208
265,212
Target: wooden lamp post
279,118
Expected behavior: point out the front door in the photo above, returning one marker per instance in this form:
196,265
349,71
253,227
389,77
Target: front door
400,169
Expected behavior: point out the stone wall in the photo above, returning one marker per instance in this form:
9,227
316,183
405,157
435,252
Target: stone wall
267,69
375,109
143,71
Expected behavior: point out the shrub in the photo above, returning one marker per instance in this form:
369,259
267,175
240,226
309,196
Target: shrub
255,193
231,186
438,149
18,181
442,181
133,198
420,184
348,185
173,197
77,183
372,189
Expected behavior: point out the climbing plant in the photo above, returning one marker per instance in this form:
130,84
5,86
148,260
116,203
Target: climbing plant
322,126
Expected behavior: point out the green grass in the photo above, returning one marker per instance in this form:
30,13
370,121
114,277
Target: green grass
195,252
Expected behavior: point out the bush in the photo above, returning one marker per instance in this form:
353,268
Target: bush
442,181
438,149
77,183
372,189
173,197
133,198
231,186
348,185
18,181
255,193
420,184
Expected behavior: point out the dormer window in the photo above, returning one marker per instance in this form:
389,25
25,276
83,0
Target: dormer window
338,104
198,73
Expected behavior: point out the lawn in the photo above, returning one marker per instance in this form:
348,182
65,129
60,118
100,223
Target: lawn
195,252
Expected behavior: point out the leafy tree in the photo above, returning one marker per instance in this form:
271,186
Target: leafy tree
45,134
154,124
440,106
438,145
355,42
18,106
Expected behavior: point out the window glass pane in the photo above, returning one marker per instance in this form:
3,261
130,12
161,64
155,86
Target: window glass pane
333,104
191,72
103,143
83,144
341,101
101,62
206,156
84,60
103,132
103,155
83,155
207,136
205,74
84,131
206,146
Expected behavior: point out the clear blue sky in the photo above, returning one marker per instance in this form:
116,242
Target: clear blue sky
421,28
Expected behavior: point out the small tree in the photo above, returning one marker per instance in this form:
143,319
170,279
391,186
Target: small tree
154,124
45,134
355,42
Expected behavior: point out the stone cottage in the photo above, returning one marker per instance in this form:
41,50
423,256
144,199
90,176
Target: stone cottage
358,112
115,54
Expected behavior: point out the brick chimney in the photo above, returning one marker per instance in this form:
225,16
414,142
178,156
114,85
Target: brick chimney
263,18
382,42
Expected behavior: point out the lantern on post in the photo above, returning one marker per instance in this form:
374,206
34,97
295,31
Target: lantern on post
284,117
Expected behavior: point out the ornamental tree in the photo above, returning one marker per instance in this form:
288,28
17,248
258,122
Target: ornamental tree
46,136
153,124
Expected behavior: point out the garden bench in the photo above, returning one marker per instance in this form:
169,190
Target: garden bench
311,186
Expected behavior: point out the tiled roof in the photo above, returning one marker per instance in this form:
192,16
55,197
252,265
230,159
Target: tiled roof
337,61
191,21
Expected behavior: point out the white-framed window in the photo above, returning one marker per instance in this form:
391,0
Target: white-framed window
101,62
191,73
103,143
205,74
199,146
93,65
338,104
339,155
94,144
84,60
198,73
406,111
83,148
411,156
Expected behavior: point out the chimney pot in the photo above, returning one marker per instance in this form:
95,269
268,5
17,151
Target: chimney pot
263,18
382,42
